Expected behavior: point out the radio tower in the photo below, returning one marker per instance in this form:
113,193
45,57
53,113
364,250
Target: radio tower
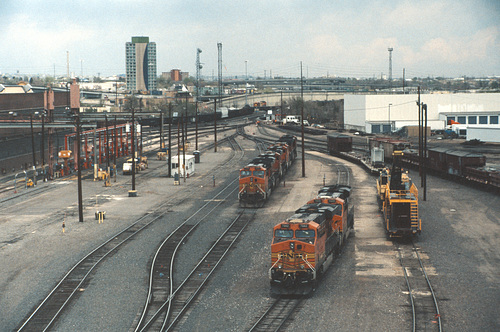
219,49
390,66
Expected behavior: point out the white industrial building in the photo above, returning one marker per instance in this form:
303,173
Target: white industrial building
384,113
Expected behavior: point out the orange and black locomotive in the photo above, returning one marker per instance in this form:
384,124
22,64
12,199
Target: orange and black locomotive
305,244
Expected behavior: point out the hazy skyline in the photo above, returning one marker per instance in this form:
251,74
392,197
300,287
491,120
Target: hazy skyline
336,38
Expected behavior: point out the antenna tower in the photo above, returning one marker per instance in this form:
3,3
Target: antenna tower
390,66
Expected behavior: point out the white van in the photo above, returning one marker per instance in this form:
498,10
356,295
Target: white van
291,119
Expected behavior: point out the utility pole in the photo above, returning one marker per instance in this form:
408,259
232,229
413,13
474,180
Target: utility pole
107,144
42,147
281,105
133,193
302,120
116,151
169,140
162,144
178,146
183,148
215,125
198,72
420,142
246,82
78,143
424,168
33,148
390,123
186,123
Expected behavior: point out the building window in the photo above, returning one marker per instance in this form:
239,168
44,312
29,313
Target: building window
461,119
472,119
493,119
448,118
483,119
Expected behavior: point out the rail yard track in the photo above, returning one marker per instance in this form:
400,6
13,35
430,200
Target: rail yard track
423,302
277,315
45,315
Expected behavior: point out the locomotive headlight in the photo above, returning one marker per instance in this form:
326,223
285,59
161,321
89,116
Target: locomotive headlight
279,266
292,245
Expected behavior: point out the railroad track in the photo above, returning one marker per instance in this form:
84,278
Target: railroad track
44,316
423,301
161,291
278,315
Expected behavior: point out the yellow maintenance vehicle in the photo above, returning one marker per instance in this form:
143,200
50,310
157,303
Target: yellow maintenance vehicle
400,202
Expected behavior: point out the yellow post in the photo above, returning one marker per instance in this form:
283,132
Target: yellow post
63,226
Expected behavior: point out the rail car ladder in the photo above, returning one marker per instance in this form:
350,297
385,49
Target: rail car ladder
414,215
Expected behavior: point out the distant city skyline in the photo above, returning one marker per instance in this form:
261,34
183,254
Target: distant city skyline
338,38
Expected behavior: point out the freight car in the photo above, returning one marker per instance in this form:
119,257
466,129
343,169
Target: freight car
202,117
465,166
456,165
259,178
399,197
305,244
339,143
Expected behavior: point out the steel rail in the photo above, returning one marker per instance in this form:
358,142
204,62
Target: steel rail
438,315
217,245
273,317
142,324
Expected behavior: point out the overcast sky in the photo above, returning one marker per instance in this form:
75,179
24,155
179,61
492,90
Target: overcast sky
331,37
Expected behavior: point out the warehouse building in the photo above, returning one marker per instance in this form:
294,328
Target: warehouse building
388,113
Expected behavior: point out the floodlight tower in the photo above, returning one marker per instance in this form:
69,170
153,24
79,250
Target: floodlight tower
219,49
390,66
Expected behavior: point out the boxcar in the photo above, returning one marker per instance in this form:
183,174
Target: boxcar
339,143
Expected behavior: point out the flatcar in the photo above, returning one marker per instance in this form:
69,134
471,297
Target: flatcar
305,244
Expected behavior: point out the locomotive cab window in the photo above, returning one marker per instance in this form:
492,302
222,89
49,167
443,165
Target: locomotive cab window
259,174
309,233
283,233
305,235
245,173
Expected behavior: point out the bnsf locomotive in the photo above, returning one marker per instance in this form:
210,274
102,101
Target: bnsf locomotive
262,174
305,244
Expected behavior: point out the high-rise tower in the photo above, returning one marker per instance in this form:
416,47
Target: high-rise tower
140,59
